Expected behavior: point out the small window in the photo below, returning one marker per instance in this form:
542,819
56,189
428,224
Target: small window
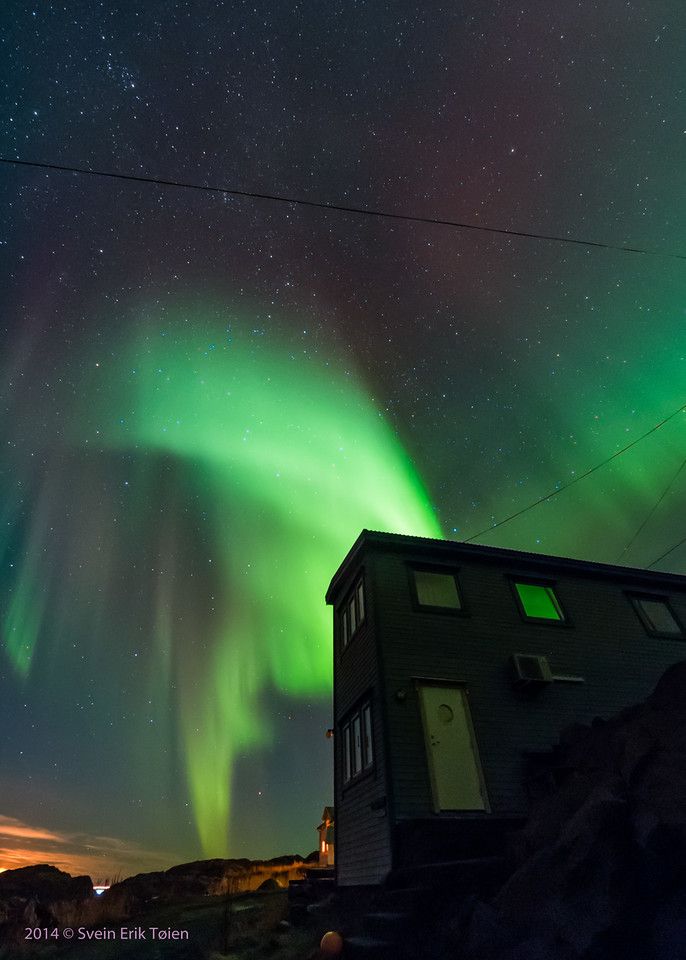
538,601
357,735
352,613
347,771
360,600
657,616
367,728
437,589
357,743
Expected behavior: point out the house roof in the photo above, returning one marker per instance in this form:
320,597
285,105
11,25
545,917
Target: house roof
453,550
327,814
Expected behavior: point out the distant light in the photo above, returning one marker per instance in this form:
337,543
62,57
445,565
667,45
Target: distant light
100,888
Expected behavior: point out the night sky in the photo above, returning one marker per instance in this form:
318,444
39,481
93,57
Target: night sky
205,398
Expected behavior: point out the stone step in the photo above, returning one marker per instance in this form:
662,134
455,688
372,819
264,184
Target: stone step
402,899
387,925
368,948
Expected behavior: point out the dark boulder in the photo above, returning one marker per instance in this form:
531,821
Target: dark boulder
599,870
269,885
44,884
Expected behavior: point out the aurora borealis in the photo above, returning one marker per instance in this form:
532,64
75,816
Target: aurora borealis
284,461
205,398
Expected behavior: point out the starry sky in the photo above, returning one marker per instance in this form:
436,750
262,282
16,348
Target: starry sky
204,397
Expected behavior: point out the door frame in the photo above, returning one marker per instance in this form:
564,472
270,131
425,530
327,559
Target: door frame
460,685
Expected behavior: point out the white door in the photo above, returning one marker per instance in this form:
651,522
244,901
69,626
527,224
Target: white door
452,755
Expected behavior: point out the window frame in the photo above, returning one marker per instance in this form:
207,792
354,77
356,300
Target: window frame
635,599
362,715
445,570
548,584
352,613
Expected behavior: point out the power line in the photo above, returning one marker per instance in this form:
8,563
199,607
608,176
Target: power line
297,201
666,553
566,486
652,511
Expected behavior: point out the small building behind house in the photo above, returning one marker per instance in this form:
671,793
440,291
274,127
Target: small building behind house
326,838
456,666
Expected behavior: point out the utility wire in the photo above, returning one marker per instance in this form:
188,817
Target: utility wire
408,218
666,553
652,511
570,483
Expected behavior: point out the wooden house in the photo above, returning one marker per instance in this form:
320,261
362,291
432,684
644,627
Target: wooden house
456,666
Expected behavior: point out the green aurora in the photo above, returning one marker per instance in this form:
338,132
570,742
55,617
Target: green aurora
287,460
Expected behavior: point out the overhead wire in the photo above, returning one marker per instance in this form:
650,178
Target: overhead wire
570,483
666,553
364,211
652,511
341,208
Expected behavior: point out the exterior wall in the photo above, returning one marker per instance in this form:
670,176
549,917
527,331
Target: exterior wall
603,641
363,848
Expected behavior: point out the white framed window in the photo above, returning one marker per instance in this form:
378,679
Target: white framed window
352,613
358,739
357,744
347,769
437,589
657,616
538,601
368,750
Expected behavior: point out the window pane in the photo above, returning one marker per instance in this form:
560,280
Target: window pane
436,589
367,732
346,753
360,601
539,601
346,630
351,614
659,616
357,744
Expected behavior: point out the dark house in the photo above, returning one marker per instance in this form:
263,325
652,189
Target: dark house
455,668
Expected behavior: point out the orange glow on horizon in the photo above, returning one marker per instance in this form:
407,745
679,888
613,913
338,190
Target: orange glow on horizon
27,833
24,845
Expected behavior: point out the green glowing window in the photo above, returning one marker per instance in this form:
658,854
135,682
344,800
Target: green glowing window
538,601
352,613
358,751
437,589
657,616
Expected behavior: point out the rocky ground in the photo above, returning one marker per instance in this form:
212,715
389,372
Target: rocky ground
207,910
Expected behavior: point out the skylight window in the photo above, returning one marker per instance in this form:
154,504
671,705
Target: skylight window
539,601
437,589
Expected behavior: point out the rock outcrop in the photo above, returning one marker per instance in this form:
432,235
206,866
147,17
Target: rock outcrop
203,878
600,867
35,896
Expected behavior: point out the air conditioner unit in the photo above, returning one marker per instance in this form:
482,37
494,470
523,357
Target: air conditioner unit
530,671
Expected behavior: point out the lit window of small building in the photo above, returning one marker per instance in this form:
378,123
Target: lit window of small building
326,838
